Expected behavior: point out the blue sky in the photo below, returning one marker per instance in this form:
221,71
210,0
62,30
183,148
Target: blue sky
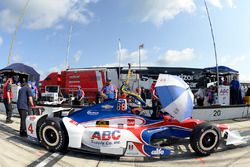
175,33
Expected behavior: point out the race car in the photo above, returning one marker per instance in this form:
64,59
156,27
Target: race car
111,128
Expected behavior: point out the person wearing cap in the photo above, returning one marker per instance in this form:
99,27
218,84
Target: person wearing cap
7,99
109,91
24,99
80,95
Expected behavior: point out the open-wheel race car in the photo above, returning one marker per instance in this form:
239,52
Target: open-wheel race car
110,127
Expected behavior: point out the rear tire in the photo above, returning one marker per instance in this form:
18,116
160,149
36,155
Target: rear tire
53,135
205,139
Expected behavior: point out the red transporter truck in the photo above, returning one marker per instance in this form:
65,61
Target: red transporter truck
90,80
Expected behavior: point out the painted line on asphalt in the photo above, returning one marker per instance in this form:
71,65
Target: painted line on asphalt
49,159
39,160
55,158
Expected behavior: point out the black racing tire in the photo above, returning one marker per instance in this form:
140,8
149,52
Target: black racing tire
53,135
205,139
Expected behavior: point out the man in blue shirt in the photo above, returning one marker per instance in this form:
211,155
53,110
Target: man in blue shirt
109,92
24,98
235,93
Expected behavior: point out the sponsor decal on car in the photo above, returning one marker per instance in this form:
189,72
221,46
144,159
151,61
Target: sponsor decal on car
158,151
92,112
102,123
106,138
130,147
131,122
107,106
120,126
73,122
106,135
133,150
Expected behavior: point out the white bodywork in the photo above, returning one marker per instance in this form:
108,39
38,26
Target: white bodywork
234,138
105,139
97,137
32,120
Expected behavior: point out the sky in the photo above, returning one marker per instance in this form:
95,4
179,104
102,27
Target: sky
175,33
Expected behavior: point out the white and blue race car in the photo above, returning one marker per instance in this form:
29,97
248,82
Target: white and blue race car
112,128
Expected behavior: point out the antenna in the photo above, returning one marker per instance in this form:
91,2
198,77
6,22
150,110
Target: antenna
215,52
17,27
68,47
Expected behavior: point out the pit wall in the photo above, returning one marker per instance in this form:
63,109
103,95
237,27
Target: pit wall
213,113
210,113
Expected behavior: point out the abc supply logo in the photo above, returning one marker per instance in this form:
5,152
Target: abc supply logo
106,135
106,138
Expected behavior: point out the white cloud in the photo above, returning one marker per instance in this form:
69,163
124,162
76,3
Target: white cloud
232,61
245,77
173,56
42,14
59,27
38,69
216,3
169,57
50,36
239,63
16,58
77,56
57,68
110,65
8,20
132,57
43,73
1,41
160,11
231,3
219,3
156,49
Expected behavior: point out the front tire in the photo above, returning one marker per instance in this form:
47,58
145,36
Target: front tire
205,139
53,135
